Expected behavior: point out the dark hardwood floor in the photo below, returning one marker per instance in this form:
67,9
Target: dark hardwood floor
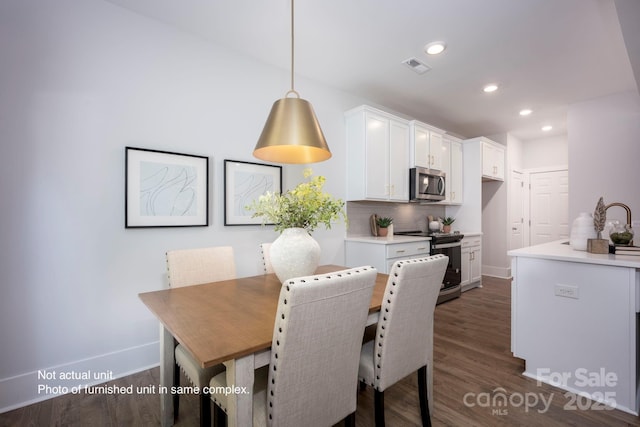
472,364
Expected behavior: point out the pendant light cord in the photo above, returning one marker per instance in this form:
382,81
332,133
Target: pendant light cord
292,91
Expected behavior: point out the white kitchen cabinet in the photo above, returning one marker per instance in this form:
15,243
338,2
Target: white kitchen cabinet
453,167
383,254
576,313
426,145
455,177
492,160
377,155
471,269
446,168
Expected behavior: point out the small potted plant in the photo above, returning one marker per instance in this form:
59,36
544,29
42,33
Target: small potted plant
383,225
446,224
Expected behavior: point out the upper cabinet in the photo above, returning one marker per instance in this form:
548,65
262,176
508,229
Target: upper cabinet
426,146
493,160
377,155
452,150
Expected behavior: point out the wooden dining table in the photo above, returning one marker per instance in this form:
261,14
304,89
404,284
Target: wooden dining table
228,322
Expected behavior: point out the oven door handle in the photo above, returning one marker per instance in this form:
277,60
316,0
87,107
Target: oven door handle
446,245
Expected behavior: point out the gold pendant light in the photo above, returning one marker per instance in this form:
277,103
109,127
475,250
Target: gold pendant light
292,133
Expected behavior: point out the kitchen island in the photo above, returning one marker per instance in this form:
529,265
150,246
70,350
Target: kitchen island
574,320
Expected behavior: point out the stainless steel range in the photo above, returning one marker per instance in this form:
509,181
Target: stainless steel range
448,244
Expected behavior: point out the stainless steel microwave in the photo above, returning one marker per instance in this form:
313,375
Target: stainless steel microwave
426,185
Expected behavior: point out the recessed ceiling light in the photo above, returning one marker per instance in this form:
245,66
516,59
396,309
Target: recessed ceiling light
525,112
547,128
435,48
490,88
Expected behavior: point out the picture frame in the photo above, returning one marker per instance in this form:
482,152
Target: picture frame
244,182
165,189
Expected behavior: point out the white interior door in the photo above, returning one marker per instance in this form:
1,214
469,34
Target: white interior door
549,206
517,211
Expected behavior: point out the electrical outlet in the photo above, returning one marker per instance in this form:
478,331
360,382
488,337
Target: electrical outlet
567,291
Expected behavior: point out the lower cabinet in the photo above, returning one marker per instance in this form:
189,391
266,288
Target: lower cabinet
382,255
471,262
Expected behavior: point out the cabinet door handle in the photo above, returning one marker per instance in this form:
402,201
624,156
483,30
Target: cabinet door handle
422,249
400,251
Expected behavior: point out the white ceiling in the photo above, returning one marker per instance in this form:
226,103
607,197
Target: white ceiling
544,54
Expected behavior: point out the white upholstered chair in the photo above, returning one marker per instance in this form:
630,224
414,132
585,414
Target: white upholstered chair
312,378
266,258
192,267
404,334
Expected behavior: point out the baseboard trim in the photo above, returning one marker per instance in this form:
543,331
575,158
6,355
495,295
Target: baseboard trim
31,387
499,272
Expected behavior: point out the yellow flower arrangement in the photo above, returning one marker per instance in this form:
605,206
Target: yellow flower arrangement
306,206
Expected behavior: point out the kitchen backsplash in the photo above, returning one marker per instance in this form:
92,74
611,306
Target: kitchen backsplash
406,216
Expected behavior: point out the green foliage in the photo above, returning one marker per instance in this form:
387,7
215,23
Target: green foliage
384,222
448,220
306,206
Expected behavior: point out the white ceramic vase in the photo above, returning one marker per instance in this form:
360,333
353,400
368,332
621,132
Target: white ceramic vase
582,229
294,254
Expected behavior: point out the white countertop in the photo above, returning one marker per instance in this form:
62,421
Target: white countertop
563,252
386,240
471,233
398,239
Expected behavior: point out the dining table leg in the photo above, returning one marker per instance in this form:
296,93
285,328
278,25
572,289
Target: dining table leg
167,365
240,375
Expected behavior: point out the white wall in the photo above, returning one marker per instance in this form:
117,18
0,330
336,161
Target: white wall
604,154
81,80
546,152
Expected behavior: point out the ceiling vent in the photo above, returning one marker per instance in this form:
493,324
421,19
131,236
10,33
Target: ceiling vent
416,65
